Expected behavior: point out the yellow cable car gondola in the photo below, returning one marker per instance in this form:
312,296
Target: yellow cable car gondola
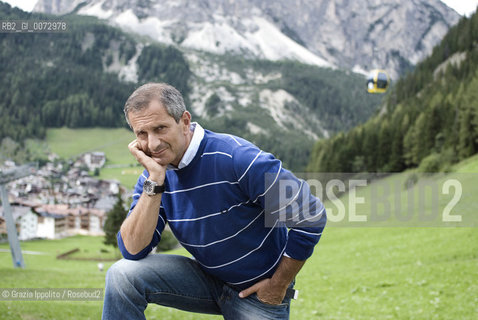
377,81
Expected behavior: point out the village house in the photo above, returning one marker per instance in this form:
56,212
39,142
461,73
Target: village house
92,160
51,226
86,221
95,160
25,222
52,221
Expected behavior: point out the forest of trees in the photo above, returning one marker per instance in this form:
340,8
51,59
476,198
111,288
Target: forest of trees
429,118
339,98
58,79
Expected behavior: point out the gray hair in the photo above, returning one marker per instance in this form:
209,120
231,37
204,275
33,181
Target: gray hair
166,95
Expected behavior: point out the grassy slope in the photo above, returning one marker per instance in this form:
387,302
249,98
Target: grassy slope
468,165
120,164
399,273
355,273
44,271
68,143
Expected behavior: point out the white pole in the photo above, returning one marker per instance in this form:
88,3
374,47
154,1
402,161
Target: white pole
17,256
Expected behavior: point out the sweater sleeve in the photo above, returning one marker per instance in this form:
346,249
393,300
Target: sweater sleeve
287,201
138,190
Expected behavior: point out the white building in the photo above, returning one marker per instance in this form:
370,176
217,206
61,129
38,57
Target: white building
25,220
51,226
95,160
28,225
97,221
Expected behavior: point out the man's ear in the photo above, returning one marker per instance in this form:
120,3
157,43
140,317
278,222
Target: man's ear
186,120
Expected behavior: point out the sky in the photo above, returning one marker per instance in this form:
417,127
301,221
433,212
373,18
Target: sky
463,7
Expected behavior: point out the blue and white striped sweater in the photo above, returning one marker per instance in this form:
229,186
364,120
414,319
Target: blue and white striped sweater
216,207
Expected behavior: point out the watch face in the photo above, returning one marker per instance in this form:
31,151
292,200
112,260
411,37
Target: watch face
148,187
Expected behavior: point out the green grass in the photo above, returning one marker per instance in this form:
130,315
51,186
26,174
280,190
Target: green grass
468,165
358,272
69,143
391,273
45,271
355,273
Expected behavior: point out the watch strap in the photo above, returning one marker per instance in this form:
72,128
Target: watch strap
159,189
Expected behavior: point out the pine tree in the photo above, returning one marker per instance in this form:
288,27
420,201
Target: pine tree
471,102
465,144
113,221
385,140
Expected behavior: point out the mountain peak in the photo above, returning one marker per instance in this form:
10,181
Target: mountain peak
360,35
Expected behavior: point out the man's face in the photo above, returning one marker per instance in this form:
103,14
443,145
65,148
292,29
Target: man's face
158,134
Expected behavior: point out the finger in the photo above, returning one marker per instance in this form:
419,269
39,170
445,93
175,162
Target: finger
247,292
134,145
135,149
139,154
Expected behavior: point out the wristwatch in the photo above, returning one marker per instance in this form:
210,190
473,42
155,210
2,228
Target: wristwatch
152,188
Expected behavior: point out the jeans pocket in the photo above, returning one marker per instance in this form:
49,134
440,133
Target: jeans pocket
284,302
251,308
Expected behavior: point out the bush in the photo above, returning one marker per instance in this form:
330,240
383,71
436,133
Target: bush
412,179
168,241
430,164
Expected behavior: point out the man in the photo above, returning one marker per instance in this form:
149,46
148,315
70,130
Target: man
225,202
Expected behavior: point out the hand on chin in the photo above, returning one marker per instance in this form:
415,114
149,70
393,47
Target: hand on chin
160,161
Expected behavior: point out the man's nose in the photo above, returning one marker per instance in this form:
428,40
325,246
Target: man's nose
153,142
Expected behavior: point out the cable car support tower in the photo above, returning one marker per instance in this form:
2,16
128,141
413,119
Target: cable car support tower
5,177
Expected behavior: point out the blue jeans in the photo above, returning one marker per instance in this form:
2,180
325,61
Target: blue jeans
178,282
